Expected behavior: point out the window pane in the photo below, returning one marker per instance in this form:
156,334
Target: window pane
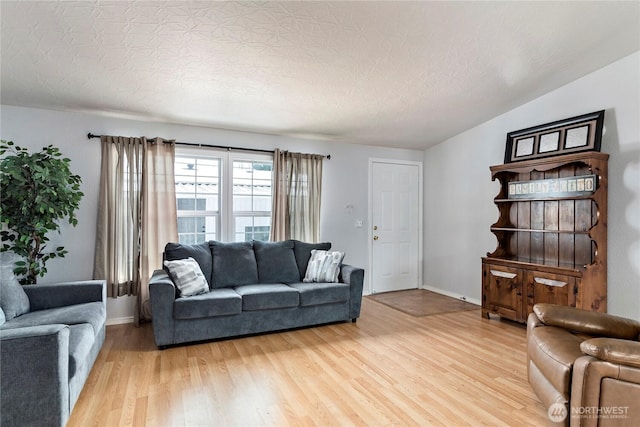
195,224
186,225
185,204
262,203
252,200
199,197
249,228
186,239
208,167
211,226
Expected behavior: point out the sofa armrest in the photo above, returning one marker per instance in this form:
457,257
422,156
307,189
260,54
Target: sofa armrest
162,294
602,385
621,352
588,322
35,375
532,322
354,277
55,295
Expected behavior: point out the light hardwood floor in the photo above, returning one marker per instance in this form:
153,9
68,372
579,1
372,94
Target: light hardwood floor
389,368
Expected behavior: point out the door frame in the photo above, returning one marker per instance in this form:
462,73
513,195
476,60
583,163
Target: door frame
419,164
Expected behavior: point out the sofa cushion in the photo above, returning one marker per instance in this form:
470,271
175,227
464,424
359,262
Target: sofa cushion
234,264
322,293
276,262
81,340
200,252
217,302
267,296
93,313
187,276
324,266
302,252
13,299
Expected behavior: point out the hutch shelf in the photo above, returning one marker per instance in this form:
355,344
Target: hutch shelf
552,245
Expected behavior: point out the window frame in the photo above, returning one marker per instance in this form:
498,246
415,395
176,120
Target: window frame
226,215
189,152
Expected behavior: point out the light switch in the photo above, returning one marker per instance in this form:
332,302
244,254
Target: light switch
359,223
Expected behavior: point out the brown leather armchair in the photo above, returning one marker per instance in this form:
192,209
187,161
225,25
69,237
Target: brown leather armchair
584,366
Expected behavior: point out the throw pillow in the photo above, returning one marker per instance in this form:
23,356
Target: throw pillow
13,299
234,264
2,318
187,276
200,252
276,262
302,251
324,266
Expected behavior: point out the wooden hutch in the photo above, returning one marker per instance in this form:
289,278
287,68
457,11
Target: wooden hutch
552,246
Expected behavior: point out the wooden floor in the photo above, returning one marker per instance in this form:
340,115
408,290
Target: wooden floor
387,369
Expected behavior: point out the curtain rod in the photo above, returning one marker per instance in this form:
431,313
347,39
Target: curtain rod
91,136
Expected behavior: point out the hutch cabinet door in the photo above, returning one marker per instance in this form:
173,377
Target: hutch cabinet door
502,291
550,288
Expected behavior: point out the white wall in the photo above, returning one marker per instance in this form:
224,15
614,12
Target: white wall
345,179
458,189
459,192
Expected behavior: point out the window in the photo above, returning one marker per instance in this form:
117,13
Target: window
224,197
198,198
251,200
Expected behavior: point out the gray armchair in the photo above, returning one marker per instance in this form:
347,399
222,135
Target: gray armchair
47,352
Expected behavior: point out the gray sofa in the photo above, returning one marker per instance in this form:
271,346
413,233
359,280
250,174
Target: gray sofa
49,341
254,287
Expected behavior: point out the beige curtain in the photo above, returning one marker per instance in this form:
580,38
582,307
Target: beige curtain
119,209
280,200
136,215
159,224
297,194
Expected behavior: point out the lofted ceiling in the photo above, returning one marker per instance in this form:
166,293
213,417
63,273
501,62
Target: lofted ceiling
400,74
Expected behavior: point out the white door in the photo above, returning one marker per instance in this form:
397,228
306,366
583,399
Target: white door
396,225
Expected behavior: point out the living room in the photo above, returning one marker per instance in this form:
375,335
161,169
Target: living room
457,198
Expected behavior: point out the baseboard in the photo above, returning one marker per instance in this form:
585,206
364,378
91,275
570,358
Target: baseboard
452,295
129,319
119,320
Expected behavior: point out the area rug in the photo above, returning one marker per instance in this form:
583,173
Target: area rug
420,302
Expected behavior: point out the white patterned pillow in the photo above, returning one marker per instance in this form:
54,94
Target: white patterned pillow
324,266
187,276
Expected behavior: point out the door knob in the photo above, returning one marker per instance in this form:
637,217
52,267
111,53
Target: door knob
375,227
375,237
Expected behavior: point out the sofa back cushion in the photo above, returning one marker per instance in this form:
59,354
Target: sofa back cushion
302,252
199,252
234,264
276,262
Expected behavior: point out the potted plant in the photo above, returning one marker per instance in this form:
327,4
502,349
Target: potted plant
38,190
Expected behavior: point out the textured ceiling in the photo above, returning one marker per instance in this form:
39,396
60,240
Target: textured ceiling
405,74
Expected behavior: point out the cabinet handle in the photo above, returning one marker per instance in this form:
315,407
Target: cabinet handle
504,274
549,282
